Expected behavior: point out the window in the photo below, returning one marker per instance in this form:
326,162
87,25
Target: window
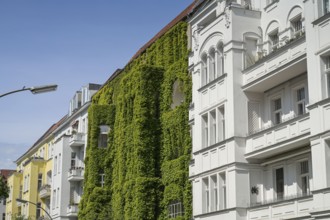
175,209
214,193
223,191
328,84
205,130
253,116
279,183
220,60
274,39
206,196
54,199
38,212
327,63
59,163
212,65
102,178
250,52
58,198
296,25
39,180
204,70
55,165
300,101
277,111
221,123
304,177
103,136
73,159
213,127
326,6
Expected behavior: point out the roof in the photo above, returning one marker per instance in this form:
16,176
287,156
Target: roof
5,173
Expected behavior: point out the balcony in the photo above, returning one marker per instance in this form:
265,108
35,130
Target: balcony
76,174
72,210
44,191
283,137
282,64
292,207
77,140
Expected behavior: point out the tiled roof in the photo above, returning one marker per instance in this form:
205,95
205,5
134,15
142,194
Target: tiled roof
5,173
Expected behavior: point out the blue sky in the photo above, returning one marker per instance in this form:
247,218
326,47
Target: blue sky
69,43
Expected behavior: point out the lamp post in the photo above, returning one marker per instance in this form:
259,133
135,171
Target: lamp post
34,89
26,201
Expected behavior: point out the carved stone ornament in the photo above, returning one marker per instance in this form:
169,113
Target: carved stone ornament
195,37
227,17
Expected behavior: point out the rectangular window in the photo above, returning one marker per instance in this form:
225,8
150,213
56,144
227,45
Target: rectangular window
206,196
304,177
212,65
277,111
221,124
103,136
213,127
205,131
55,165
300,98
175,209
102,178
38,212
328,84
214,193
39,180
54,199
279,183
327,63
250,51
59,163
223,191
58,198
73,159
326,6
204,71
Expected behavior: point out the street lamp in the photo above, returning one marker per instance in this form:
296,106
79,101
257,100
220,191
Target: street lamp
34,89
25,201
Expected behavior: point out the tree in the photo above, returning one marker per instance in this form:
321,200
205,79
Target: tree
4,189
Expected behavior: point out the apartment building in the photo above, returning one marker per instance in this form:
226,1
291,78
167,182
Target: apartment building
260,115
4,173
70,140
32,179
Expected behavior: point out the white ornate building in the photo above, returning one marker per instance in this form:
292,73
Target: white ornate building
260,116
69,148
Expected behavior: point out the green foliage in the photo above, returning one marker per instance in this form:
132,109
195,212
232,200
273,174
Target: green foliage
147,156
4,190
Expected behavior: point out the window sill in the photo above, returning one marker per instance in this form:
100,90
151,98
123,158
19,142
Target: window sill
321,19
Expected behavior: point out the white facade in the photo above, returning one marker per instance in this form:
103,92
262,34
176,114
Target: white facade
260,114
70,141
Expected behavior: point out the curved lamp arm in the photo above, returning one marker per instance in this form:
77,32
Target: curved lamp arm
34,89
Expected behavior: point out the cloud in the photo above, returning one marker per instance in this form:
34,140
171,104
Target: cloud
9,153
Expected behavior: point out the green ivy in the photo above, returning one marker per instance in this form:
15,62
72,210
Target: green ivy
147,157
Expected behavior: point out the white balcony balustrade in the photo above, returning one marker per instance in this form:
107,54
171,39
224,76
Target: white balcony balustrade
77,140
45,191
76,174
72,210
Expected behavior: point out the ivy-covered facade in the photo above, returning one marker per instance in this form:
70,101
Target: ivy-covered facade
142,170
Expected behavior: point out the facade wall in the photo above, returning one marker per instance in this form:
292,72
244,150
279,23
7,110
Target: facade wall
260,109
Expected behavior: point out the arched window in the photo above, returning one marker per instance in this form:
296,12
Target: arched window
220,60
212,69
204,70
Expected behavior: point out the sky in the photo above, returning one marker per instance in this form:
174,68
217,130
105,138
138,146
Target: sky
69,43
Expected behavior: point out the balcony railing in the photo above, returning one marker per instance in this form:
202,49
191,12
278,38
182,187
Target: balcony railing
44,191
295,128
76,174
72,210
77,139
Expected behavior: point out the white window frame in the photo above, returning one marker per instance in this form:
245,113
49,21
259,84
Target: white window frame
222,190
102,179
205,130
275,111
206,195
204,69
300,102
274,39
276,194
301,176
326,6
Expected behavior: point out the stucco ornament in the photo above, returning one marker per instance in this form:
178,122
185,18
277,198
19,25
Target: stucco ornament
227,17
195,37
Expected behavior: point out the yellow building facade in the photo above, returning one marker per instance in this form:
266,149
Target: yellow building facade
32,181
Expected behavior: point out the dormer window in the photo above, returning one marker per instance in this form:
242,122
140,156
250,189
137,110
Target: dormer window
103,136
